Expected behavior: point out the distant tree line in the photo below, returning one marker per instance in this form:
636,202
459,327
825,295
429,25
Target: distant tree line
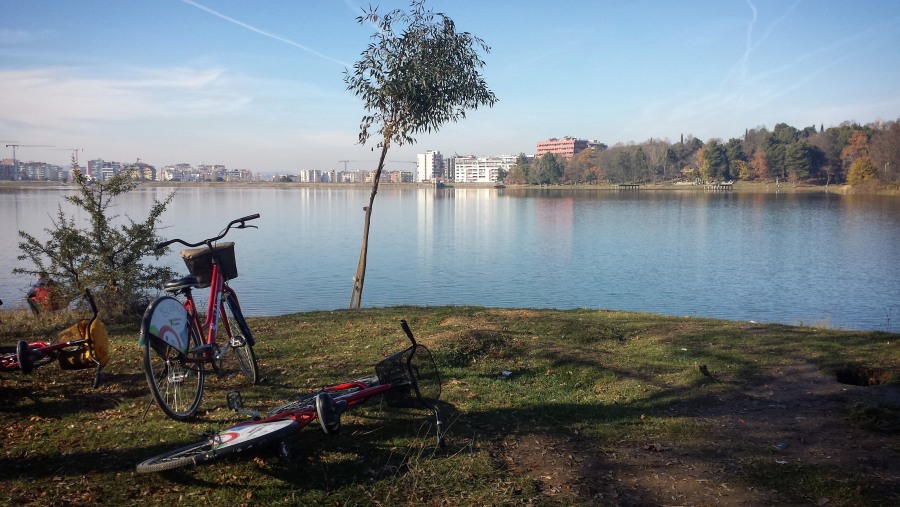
849,153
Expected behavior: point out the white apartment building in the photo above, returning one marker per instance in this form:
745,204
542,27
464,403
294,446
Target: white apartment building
177,172
310,175
102,170
39,171
429,166
471,169
238,175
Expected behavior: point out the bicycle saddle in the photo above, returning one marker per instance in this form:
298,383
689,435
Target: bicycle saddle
177,284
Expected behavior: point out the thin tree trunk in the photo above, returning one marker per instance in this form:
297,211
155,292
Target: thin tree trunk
360,277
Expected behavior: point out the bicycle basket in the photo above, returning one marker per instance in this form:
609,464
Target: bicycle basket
413,376
199,262
87,354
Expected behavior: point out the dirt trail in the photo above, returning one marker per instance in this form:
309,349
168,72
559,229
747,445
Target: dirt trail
791,416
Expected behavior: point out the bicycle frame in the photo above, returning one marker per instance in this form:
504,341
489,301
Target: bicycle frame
10,362
213,310
306,413
395,374
363,391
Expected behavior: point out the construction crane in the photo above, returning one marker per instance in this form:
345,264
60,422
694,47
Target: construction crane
16,161
74,153
345,162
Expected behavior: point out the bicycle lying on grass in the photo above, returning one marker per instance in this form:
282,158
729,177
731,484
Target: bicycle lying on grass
408,378
82,345
172,334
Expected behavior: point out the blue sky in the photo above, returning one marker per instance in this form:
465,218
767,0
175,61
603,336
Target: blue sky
259,85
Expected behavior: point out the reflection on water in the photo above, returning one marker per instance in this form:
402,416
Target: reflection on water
810,258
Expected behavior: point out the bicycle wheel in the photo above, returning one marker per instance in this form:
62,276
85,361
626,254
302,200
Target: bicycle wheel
177,386
223,443
240,337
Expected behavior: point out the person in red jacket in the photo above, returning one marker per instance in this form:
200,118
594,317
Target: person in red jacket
41,295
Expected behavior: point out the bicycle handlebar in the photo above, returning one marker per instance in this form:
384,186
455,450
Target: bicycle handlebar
408,331
242,221
90,300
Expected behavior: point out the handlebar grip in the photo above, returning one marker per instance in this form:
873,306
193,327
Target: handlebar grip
90,300
160,246
408,331
248,218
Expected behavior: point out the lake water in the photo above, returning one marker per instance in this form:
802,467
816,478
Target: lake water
795,258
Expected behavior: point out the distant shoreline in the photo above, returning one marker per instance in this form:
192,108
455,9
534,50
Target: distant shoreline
739,186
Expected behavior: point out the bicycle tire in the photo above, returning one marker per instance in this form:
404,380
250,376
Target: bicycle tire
233,440
176,386
241,338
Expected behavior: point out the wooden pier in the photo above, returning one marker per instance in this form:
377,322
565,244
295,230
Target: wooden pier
720,185
628,186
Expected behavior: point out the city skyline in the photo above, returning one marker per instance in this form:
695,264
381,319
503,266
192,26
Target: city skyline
474,170
224,82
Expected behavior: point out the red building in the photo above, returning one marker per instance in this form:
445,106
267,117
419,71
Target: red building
566,147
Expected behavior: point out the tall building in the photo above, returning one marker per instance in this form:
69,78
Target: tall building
310,175
566,147
103,170
142,171
177,172
429,166
471,169
7,169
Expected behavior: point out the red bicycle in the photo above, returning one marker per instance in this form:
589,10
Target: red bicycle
82,345
407,378
172,332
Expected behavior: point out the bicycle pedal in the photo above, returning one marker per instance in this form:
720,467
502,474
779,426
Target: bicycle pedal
235,402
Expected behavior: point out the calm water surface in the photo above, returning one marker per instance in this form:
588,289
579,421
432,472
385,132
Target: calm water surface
794,258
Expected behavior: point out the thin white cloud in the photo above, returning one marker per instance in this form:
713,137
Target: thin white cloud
165,114
15,36
774,24
265,33
744,91
744,62
745,58
57,98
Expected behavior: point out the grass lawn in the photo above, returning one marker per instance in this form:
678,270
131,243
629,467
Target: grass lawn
595,408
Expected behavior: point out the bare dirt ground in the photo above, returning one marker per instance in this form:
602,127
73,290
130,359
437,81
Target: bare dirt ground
790,417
